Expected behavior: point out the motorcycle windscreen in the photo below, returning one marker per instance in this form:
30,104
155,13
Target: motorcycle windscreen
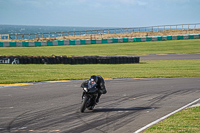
92,87
91,84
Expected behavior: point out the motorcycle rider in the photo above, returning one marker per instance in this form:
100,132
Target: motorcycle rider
100,85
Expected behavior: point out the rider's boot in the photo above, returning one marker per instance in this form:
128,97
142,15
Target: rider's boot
98,97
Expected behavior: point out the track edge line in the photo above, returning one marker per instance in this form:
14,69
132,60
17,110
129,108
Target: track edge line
164,117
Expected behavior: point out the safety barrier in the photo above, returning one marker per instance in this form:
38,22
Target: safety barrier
97,41
69,60
99,31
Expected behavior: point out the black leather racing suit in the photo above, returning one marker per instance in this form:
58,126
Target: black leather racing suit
100,85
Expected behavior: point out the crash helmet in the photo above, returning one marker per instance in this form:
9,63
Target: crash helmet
94,78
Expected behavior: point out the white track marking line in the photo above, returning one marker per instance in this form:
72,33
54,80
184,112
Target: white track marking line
164,117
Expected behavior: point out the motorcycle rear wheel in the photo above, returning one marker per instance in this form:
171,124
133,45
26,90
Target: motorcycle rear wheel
84,103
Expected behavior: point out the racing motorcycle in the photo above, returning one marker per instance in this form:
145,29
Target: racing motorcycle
90,93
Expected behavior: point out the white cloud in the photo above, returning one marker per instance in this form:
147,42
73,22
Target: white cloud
114,2
133,2
71,3
142,3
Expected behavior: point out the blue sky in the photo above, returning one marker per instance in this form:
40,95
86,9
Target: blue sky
99,13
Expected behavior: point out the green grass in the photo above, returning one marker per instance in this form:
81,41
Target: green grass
145,69
186,121
133,48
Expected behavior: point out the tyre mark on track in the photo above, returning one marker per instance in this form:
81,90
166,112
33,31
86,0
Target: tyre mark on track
105,118
39,119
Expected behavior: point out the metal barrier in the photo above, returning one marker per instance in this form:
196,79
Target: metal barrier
4,36
104,31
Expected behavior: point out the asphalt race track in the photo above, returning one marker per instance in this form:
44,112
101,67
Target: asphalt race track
170,56
129,105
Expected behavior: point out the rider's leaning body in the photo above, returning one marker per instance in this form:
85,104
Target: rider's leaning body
100,85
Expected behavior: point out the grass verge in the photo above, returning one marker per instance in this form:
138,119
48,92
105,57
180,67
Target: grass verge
145,69
133,48
185,121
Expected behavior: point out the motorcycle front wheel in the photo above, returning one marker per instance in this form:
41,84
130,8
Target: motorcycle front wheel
90,108
84,103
